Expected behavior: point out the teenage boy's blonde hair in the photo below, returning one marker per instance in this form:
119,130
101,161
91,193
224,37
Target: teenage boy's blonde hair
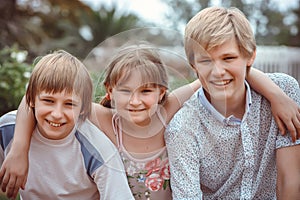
213,26
58,72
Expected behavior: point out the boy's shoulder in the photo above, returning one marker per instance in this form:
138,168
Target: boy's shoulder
92,137
8,118
283,80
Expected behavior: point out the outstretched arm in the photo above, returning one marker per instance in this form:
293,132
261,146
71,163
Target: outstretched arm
13,173
178,96
285,111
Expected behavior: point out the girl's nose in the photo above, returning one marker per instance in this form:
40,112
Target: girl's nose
135,99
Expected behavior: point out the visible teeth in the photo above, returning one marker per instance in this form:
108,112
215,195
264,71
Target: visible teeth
222,82
55,124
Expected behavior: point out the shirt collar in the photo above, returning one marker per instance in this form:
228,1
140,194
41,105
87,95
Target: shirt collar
231,120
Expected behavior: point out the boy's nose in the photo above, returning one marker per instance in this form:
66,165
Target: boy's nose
218,69
57,112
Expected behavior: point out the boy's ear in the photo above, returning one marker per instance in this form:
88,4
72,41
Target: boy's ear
251,60
108,90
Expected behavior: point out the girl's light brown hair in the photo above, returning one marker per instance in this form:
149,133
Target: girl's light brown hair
58,72
142,58
213,26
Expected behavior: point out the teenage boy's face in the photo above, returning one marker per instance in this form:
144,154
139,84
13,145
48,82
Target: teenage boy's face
56,113
222,72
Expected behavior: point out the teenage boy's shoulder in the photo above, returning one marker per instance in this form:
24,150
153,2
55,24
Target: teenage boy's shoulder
287,83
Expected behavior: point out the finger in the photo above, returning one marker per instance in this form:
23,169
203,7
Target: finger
2,172
291,128
24,183
280,125
15,194
5,182
11,186
297,124
19,182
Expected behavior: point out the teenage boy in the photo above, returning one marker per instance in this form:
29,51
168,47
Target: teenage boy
224,142
69,157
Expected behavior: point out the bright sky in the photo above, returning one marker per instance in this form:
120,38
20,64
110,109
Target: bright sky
155,10
149,10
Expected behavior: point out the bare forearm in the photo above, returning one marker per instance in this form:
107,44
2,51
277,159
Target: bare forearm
263,85
25,123
183,93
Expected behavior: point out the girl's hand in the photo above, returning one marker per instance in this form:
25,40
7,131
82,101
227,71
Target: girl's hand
13,173
287,116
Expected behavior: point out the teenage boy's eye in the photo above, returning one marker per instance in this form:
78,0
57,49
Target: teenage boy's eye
230,58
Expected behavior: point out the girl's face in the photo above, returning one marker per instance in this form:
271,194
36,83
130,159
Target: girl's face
135,100
56,113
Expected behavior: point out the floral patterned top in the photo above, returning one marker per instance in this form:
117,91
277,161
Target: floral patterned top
148,174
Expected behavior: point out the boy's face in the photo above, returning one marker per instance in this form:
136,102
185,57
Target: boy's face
222,72
56,113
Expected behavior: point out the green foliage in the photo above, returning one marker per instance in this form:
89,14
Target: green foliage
99,90
3,197
274,23
14,73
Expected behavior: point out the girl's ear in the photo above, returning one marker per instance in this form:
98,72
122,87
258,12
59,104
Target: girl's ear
162,93
251,60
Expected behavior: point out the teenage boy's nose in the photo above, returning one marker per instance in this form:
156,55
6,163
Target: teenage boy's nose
57,111
218,69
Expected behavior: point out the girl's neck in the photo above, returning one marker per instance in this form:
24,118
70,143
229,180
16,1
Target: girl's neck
154,127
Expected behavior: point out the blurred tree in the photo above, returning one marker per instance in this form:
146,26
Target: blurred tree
14,73
43,25
273,25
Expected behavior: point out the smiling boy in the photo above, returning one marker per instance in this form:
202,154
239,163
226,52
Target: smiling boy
224,143
69,157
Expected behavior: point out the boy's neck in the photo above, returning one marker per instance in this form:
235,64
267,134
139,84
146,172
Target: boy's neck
234,106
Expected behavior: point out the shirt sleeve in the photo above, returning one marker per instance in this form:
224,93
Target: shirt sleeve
184,159
111,180
291,87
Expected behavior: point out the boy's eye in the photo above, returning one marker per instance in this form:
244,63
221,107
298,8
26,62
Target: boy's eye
124,91
204,62
71,104
230,58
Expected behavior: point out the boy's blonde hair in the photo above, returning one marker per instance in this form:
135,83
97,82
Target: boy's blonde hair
141,58
58,72
213,26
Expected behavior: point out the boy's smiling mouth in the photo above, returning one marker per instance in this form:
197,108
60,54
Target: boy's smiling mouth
54,124
221,82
